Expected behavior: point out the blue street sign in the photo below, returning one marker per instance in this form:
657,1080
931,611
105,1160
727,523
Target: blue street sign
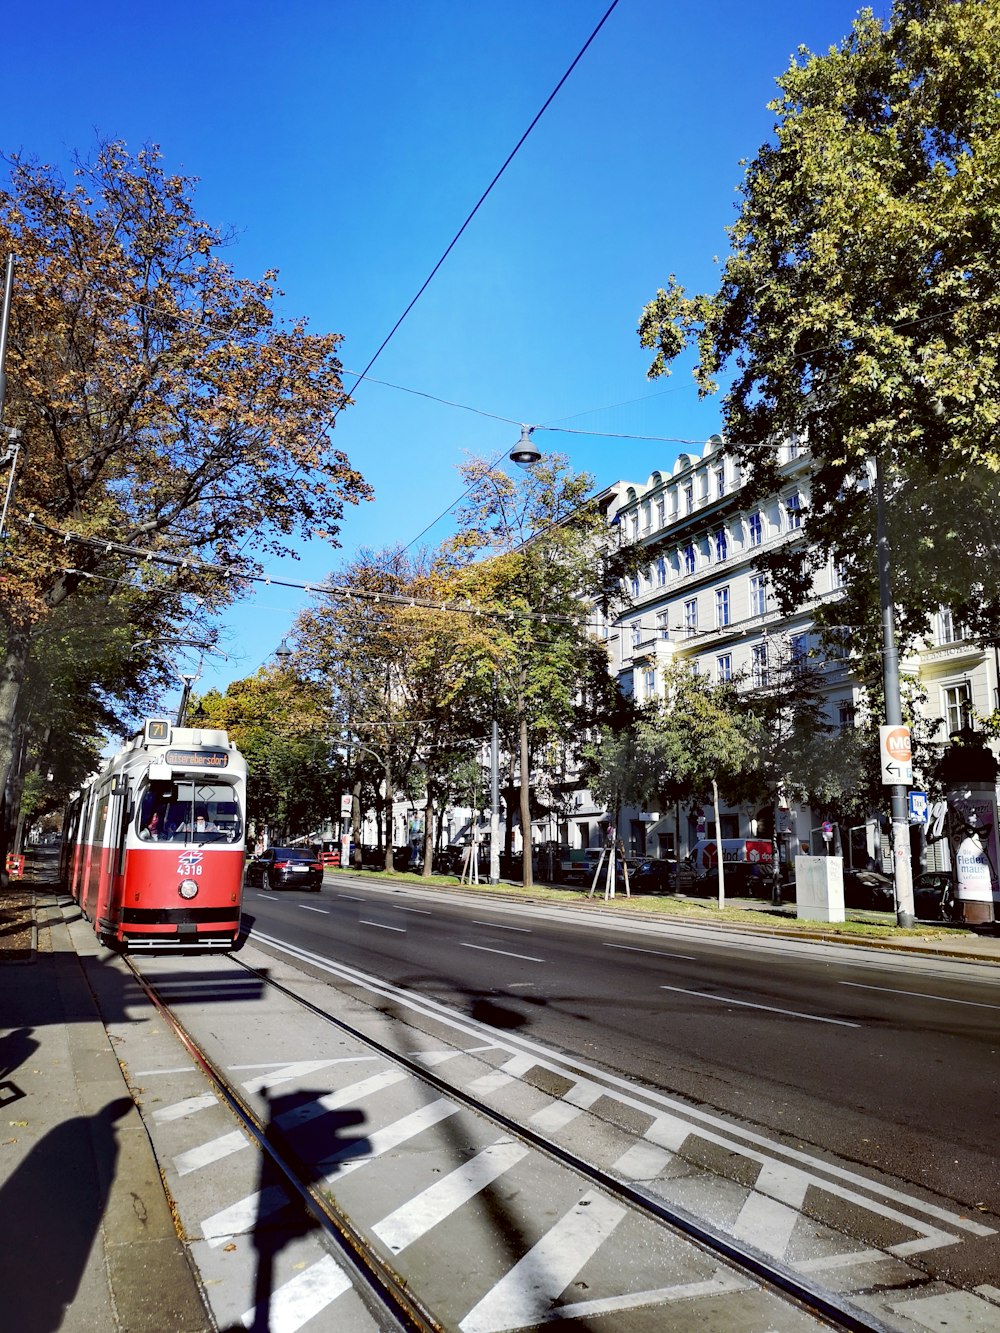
919,808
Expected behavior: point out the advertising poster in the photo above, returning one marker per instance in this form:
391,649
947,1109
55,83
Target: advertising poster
972,827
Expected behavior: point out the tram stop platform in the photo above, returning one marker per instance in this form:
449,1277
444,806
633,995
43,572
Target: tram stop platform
87,1238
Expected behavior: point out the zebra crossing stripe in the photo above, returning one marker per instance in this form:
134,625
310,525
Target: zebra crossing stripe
301,1298
362,1151
558,1114
332,1101
187,1107
768,1217
525,1295
243,1216
214,1151
299,1069
415,1218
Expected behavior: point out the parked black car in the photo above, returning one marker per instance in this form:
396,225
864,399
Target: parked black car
933,895
652,876
869,889
286,867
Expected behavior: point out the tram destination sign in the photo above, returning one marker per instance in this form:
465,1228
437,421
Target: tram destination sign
196,758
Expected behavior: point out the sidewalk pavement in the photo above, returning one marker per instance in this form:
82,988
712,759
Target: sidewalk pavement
87,1238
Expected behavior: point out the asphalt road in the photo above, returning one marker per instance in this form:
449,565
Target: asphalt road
888,1061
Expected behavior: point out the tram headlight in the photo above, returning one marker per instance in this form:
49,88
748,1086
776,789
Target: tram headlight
187,888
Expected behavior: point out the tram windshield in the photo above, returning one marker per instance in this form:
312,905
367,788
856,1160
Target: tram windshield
189,812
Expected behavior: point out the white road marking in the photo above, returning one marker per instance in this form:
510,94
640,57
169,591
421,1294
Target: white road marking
669,1128
196,1158
243,1215
187,1107
170,1069
684,1291
323,911
380,925
359,1153
920,995
768,1217
299,1299
493,925
643,1161
524,1296
332,1101
419,1215
483,949
657,953
960,1310
284,1073
558,1114
768,1008
418,911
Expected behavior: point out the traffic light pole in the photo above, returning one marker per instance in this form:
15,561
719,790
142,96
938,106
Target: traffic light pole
898,792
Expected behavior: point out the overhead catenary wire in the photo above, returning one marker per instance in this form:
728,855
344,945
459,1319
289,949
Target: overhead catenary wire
343,592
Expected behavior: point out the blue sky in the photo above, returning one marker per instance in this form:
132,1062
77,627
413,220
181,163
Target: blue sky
345,143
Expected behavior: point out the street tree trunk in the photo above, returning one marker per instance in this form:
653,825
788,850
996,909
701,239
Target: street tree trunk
13,670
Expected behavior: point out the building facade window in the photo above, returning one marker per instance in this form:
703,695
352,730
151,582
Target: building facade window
661,571
690,560
689,499
661,512
949,630
720,483
758,595
636,633
798,651
839,576
957,706
756,525
691,616
721,607
649,682
758,665
793,512
663,624
634,585
724,667
846,714
721,544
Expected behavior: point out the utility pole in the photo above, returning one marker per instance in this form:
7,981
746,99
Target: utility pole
893,711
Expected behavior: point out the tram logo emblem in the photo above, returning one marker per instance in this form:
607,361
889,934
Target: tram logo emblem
187,862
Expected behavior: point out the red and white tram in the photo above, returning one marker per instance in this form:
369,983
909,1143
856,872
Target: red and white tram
154,845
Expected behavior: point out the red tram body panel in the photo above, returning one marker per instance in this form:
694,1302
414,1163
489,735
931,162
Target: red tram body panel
154,845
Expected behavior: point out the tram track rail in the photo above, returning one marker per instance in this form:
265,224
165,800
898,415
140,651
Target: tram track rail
372,1275
384,1285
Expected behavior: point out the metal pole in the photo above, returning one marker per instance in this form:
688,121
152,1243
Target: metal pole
495,805
893,711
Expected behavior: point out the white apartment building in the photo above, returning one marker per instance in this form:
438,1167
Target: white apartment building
702,600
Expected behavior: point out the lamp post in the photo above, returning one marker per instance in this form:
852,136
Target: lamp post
525,454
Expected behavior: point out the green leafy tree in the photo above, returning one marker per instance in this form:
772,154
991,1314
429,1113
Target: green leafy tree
859,308
280,724
161,404
525,556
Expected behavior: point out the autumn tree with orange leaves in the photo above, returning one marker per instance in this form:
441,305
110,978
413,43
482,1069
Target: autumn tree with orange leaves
161,403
